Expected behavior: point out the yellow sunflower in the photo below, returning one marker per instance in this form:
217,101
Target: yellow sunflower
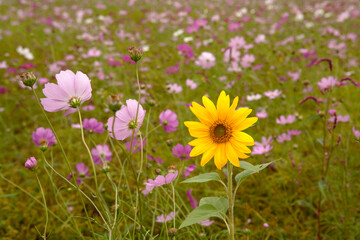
219,132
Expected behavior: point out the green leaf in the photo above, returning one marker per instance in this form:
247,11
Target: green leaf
320,140
314,116
254,169
220,203
206,177
248,166
201,213
9,195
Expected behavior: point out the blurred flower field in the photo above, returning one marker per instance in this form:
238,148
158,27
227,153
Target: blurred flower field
140,119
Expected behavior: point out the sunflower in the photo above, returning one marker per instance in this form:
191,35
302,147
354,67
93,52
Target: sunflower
219,132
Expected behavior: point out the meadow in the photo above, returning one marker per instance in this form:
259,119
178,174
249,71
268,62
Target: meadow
218,119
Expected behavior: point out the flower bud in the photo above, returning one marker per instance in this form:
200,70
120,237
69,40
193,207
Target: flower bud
172,231
115,102
135,53
31,163
29,79
105,168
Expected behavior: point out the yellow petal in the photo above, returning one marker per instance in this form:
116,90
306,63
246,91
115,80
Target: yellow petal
220,156
199,149
223,105
239,116
231,155
208,155
201,141
248,122
209,105
244,138
239,146
197,129
202,114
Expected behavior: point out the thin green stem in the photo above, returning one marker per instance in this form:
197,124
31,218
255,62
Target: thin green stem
46,208
66,160
174,204
231,203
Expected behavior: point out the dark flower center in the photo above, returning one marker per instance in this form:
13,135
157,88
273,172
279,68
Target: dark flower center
220,132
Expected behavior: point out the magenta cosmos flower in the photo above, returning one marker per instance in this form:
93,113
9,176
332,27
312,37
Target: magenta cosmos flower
181,152
43,138
169,120
159,181
93,125
101,153
69,93
30,163
125,121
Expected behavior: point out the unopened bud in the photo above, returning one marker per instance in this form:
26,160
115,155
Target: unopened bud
29,79
105,168
31,163
170,142
172,231
172,168
135,53
115,102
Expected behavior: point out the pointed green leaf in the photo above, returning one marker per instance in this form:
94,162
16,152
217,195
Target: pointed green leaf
206,177
254,169
201,213
306,204
248,166
220,203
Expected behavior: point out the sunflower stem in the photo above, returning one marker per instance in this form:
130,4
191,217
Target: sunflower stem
231,203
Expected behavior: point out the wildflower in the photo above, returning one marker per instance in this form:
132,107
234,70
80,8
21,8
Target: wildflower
263,147
25,52
92,125
114,102
340,118
260,39
327,83
82,170
189,170
29,79
286,120
158,160
356,132
185,50
294,132
135,53
237,42
283,137
262,114
206,222
70,92
165,218
272,94
169,120
43,138
101,153
31,163
247,60
181,152
253,97
219,132
191,84
125,122
206,60
266,225
174,88
162,180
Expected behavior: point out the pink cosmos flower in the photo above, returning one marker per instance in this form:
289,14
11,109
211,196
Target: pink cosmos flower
283,137
206,222
356,132
327,83
260,39
101,153
262,114
232,55
42,81
191,84
247,60
185,50
272,94
158,160
30,163
294,75
286,120
169,120
262,147
125,120
189,170
174,88
92,125
43,137
206,60
237,42
181,152
69,93
340,118
294,132
88,108
162,180
253,97
165,218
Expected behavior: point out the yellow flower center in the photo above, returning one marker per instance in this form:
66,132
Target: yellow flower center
220,131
